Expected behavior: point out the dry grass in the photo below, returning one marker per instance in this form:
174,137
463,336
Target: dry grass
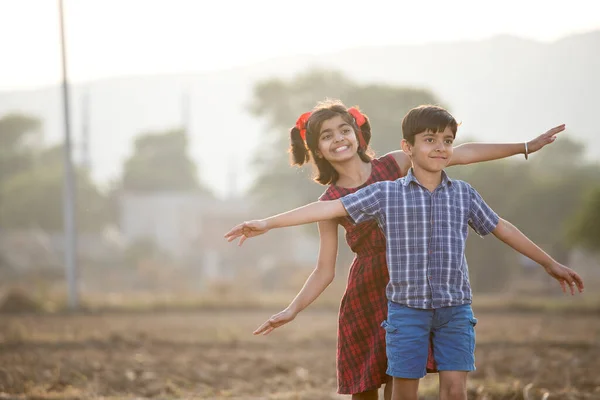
228,297
211,354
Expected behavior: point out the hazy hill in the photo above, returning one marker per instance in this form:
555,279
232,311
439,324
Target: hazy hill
502,89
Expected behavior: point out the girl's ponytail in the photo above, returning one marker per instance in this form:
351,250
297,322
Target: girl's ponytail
298,148
297,138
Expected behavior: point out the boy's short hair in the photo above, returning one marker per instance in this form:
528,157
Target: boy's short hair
426,118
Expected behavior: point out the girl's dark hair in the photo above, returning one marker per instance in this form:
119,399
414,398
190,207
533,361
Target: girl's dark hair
301,152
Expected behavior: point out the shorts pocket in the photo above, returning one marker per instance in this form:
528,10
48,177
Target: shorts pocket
389,328
472,333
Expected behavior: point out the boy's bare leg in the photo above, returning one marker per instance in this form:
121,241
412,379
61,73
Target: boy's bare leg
405,389
453,385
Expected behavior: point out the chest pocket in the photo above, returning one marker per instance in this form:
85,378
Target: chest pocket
456,219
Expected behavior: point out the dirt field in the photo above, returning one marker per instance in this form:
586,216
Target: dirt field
212,355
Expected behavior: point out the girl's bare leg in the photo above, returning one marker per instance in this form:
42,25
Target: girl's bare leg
387,391
369,395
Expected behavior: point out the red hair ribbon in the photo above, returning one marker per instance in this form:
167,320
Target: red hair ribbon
301,124
360,121
358,117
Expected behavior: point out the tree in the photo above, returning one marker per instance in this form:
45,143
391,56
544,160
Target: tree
17,131
32,180
19,140
281,102
160,162
584,228
33,198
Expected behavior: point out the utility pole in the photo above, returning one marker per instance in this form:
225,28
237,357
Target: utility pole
69,182
86,159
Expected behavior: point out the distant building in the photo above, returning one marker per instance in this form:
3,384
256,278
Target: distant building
172,220
190,228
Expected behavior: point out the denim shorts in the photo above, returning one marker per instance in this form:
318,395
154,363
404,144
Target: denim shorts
407,339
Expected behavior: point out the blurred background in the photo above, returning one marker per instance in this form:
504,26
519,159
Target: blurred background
179,121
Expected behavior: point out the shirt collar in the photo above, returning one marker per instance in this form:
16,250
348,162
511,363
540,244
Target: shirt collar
410,177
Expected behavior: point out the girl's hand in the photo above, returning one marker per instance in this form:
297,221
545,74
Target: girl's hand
566,277
544,139
275,321
247,230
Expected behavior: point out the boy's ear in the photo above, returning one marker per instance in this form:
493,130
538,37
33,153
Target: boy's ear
406,147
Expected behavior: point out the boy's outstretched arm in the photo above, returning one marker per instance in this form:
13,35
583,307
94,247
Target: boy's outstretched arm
513,237
469,153
313,212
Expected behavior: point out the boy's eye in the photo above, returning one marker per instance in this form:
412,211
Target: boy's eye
429,140
448,141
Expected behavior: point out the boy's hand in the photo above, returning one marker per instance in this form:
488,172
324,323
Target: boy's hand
566,277
544,139
247,230
277,320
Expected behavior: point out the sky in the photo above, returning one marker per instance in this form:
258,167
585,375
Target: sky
108,38
114,38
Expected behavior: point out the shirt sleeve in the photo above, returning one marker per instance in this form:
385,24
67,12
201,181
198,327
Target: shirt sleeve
366,204
482,219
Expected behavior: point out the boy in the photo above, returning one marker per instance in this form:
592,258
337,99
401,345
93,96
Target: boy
425,217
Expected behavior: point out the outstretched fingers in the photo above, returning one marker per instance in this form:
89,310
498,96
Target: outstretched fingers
571,280
261,329
550,135
242,240
235,232
556,130
577,281
267,327
545,138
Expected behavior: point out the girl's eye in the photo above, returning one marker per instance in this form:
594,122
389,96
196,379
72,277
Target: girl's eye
346,131
326,137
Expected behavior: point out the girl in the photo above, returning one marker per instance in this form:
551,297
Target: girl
344,161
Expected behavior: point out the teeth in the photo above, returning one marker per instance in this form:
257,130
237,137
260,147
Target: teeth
339,149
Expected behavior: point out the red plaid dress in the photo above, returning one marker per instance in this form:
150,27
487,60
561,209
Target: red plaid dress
361,358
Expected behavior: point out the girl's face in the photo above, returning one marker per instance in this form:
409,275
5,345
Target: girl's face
337,140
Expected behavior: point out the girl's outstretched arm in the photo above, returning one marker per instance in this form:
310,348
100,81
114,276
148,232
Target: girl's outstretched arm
469,153
313,212
316,283
513,237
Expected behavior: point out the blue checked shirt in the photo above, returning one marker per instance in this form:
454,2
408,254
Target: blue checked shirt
426,234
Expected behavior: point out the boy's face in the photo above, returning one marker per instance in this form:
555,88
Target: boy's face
431,151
